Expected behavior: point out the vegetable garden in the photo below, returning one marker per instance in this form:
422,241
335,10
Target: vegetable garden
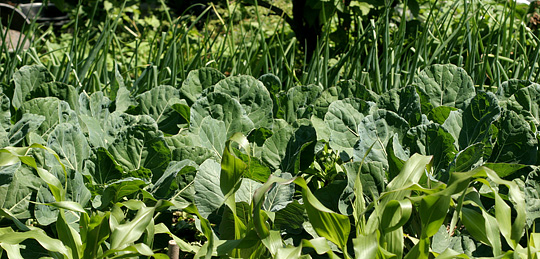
388,143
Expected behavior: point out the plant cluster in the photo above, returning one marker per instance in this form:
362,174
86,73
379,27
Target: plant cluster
438,167
214,130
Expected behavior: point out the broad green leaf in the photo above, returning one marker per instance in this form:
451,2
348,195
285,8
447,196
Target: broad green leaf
442,242
252,95
405,102
516,142
374,132
159,104
28,123
187,146
18,194
353,89
26,79
199,80
299,102
208,195
5,112
467,159
103,167
279,196
343,118
396,157
117,190
510,87
440,114
478,117
222,107
271,82
273,150
446,85
246,190
213,135
289,150
142,146
432,139
372,179
59,90
70,144
45,215
321,104
177,177
330,194
95,117
291,217
54,110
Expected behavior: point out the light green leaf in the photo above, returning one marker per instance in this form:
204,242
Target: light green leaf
446,85
28,123
159,103
26,79
70,144
123,235
208,195
142,146
54,111
222,107
252,95
199,80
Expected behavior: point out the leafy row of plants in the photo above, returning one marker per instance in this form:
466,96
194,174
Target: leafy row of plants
436,168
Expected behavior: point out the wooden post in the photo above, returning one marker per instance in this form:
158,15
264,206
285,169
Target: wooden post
174,250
